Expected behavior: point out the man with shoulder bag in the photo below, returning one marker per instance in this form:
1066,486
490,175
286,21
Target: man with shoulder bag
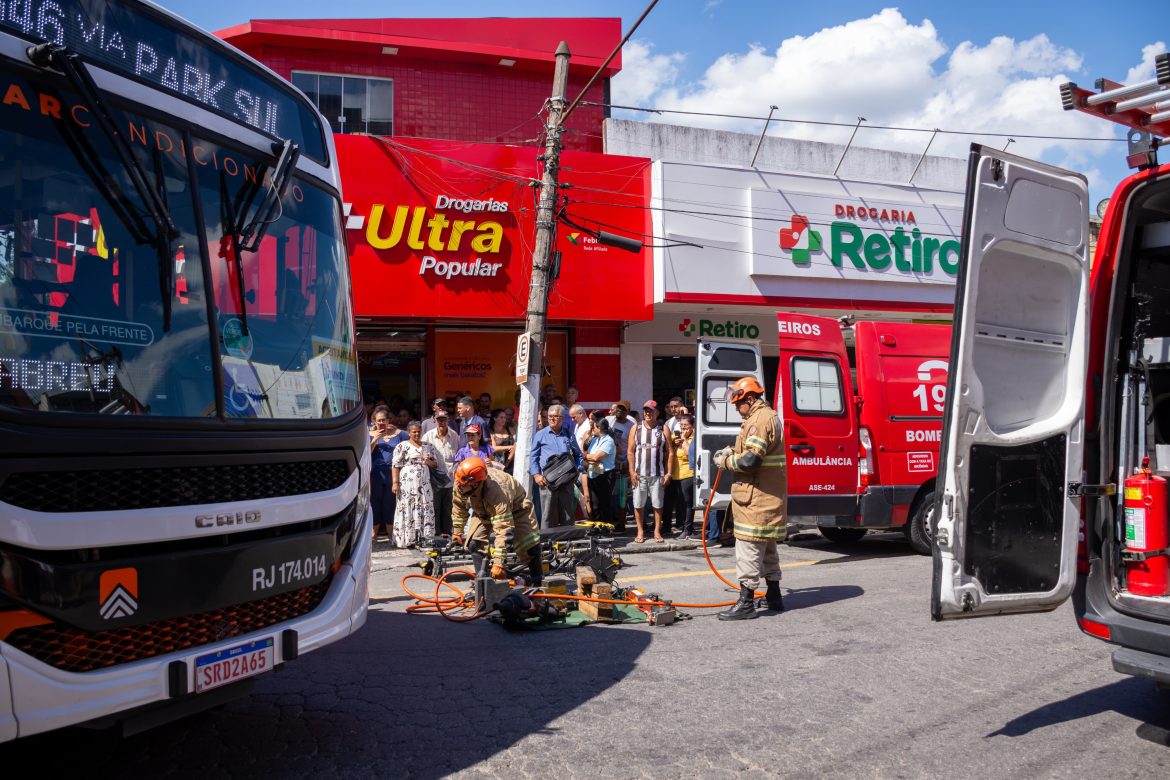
445,442
554,463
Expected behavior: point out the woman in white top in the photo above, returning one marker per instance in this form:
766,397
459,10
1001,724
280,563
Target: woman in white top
414,517
601,469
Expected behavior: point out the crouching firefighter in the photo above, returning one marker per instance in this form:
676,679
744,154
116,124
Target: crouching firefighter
497,504
759,497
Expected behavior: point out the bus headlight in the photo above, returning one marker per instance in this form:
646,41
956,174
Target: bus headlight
363,497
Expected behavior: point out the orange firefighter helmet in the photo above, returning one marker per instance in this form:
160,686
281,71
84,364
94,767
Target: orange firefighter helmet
742,388
470,472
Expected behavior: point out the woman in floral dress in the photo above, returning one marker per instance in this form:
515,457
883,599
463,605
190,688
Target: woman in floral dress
414,517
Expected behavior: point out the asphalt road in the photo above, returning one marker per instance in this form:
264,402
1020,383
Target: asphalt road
852,680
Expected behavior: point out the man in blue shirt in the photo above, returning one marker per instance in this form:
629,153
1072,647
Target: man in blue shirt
558,504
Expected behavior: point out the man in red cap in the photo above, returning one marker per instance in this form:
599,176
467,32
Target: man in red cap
650,460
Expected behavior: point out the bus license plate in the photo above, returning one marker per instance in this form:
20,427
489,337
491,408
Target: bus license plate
234,663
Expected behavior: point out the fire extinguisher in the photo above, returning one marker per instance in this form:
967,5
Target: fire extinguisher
1147,533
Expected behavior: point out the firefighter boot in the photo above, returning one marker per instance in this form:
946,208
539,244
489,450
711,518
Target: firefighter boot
772,598
744,609
535,567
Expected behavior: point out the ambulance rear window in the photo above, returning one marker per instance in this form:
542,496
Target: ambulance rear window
817,386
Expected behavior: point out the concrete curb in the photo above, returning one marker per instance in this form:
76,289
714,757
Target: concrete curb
386,558
649,546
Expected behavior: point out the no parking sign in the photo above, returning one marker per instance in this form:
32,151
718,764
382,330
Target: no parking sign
523,349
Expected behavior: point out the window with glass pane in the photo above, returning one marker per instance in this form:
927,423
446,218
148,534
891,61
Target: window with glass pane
351,104
99,312
380,115
716,409
329,101
282,312
816,386
307,83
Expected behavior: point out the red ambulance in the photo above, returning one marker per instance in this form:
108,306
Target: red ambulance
1056,445
862,443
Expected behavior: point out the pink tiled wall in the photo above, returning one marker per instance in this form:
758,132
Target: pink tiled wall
456,101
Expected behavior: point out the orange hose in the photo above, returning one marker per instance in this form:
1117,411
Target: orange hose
463,605
458,603
703,535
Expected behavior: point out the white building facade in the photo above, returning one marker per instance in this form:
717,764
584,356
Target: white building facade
735,244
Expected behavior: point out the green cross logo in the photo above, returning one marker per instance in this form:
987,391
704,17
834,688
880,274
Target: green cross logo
800,241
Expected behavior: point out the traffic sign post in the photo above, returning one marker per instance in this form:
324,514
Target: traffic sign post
523,350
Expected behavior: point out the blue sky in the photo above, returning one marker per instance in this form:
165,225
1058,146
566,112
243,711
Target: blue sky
990,66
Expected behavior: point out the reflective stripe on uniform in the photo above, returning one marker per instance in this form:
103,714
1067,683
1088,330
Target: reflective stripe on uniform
757,442
763,531
774,460
498,552
526,541
500,518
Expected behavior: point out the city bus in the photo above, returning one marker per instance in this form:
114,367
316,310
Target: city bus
184,472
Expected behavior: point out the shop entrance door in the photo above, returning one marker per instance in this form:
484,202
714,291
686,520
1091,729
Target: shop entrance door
392,369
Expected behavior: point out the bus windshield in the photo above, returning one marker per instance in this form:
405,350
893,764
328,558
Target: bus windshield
97,317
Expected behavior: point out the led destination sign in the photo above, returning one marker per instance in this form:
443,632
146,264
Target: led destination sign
130,39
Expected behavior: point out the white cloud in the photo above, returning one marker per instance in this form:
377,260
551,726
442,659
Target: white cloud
891,71
1145,70
644,74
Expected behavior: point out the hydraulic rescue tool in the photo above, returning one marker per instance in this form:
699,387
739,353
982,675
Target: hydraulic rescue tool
518,604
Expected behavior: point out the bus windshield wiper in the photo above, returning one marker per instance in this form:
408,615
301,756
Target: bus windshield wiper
48,55
247,238
253,233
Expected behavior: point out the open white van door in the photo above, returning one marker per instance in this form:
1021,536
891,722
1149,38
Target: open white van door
1008,514
719,364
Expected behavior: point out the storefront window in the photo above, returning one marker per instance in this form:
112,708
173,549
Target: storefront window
351,104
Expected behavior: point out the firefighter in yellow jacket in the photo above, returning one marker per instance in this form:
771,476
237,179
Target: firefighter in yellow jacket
759,497
497,505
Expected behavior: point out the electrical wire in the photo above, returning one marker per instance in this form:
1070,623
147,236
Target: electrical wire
717,217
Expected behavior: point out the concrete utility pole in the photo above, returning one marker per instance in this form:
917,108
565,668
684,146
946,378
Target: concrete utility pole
538,285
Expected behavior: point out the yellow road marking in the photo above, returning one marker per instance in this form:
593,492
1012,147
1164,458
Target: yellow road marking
701,572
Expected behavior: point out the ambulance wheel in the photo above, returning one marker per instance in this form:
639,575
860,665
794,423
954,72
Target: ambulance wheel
918,530
842,535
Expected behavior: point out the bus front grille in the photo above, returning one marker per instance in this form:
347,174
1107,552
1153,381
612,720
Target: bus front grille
101,490
74,650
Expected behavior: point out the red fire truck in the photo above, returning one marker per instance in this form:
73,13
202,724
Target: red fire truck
1056,445
856,460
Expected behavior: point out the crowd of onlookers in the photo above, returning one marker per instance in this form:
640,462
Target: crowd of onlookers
603,465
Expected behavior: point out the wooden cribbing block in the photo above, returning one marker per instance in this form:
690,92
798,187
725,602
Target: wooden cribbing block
585,576
593,610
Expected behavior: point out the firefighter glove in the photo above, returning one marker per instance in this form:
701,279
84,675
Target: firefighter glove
457,539
498,572
720,458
